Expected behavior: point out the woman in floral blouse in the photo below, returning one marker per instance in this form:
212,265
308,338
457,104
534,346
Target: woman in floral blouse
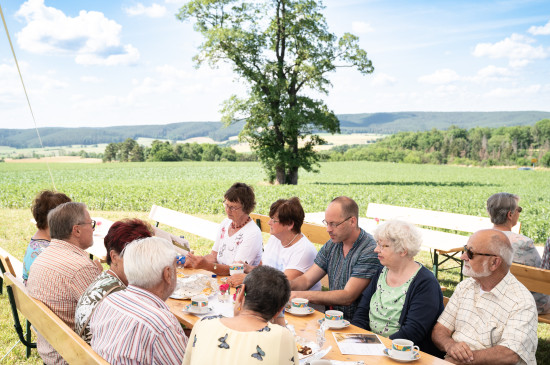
120,234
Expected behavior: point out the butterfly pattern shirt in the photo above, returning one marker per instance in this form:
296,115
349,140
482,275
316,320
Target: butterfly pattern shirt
214,343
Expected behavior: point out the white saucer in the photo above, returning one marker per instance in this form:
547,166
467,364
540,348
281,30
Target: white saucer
336,327
387,353
309,311
190,309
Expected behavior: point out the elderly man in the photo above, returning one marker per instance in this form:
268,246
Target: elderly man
491,317
135,326
348,258
60,275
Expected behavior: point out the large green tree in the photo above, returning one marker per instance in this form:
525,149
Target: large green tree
284,52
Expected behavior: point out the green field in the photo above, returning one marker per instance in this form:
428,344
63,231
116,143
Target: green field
198,187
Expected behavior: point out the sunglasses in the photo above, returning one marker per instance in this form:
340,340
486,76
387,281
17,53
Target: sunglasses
471,253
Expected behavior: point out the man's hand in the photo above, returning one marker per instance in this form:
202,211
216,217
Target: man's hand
196,262
235,279
460,352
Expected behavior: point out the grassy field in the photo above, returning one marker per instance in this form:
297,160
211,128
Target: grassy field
116,191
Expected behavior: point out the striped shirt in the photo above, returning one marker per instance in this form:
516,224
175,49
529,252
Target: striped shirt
360,262
57,278
134,326
505,316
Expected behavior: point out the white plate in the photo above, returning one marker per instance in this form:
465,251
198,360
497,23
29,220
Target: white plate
309,311
387,353
190,309
336,327
314,349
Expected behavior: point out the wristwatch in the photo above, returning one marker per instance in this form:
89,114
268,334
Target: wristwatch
215,267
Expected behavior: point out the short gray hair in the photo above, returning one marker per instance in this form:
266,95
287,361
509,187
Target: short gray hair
348,205
403,236
500,245
64,217
145,260
498,206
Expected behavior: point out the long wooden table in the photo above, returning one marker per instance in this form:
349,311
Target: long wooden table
305,327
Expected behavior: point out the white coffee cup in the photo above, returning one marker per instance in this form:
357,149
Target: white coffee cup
334,318
320,362
236,269
299,305
199,303
403,349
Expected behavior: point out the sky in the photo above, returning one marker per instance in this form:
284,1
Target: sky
105,63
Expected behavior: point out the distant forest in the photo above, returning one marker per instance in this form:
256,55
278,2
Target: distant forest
385,123
517,145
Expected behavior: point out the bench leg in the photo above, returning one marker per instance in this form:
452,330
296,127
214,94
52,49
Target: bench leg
436,263
28,335
1,285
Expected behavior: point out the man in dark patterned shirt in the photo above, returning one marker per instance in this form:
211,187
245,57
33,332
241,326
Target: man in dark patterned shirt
348,259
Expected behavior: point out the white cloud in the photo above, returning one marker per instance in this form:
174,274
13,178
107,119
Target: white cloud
519,91
382,79
542,30
91,79
517,48
491,73
90,37
361,27
153,11
442,76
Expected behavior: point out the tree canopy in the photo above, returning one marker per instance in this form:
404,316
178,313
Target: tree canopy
284,52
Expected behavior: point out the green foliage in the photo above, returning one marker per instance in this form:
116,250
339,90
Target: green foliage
282,50
545,160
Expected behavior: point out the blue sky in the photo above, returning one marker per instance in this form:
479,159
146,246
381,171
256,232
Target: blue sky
105,63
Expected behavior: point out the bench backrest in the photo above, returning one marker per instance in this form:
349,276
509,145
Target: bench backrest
315,233
10,263
63,339
534,279
185,222
432,218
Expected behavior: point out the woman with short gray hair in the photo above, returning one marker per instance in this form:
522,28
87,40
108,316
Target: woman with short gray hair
248,337
403,299
504,210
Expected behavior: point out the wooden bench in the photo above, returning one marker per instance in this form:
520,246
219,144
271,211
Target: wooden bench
534,279
448,245
315,233
62,338
185,222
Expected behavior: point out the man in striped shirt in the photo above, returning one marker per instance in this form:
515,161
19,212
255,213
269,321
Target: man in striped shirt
348,259
491,317
60,275
135,326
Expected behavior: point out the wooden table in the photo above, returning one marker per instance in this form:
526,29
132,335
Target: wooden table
305,327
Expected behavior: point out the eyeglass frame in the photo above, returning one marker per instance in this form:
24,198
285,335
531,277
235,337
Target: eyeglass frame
93,223
382,246
519,209
334,225
232,209
238,289
471,254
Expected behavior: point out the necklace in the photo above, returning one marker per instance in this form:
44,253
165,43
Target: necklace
289,242
234,226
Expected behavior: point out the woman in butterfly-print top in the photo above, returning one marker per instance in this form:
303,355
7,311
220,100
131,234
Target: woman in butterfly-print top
249,337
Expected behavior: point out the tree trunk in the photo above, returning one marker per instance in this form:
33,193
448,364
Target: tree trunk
292,177
280,175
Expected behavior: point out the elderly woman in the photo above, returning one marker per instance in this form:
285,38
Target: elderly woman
44,202
238,238
404,299
120,234
504,210
287,250
248,337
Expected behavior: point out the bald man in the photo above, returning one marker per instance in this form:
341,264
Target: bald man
491,317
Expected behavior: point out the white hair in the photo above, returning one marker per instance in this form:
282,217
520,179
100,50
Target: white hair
403,236
145,260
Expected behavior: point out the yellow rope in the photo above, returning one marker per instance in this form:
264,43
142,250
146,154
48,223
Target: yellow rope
25,89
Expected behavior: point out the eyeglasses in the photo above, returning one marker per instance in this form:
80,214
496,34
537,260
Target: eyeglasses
238,289
92,223
381,246
229,207
275,220
519,209
471,254
334,225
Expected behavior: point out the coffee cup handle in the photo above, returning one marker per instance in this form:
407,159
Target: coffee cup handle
416,349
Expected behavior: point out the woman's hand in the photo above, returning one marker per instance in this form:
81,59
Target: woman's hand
193,261
236,279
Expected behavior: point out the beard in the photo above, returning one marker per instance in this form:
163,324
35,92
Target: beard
468,271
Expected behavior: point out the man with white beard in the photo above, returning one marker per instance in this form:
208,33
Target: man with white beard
491,317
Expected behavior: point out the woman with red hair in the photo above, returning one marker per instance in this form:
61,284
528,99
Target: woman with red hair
120,234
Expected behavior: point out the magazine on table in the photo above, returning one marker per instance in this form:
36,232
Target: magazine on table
359,344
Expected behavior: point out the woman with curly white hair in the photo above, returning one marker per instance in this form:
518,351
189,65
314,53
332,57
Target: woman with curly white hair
404,299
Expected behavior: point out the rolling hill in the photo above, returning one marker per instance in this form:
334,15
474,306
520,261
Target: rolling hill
386,123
